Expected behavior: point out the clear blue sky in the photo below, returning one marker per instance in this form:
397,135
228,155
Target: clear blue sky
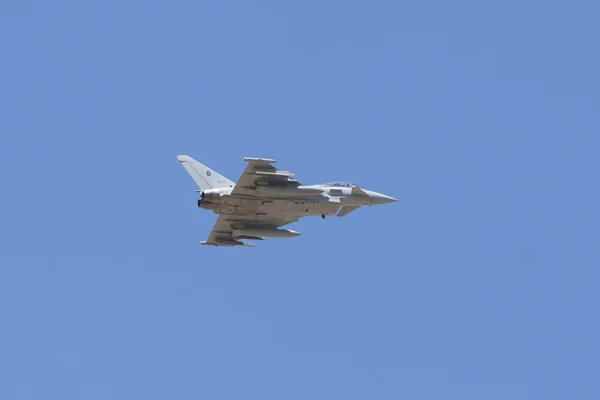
482,118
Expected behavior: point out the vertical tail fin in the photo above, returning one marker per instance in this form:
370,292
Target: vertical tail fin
204,177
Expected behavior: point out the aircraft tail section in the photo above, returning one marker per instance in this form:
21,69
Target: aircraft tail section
204,177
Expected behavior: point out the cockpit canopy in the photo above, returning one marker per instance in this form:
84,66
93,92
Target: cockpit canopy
338,183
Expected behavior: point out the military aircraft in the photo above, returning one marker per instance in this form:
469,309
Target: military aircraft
264,199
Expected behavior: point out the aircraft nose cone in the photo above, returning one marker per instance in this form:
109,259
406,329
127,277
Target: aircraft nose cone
378,198
387,199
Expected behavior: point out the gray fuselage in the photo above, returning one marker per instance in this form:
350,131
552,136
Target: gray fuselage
313,200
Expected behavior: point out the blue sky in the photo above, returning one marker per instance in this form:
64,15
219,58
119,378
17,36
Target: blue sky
481,118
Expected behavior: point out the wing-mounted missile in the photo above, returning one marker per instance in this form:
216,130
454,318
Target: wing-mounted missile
227,243
262,232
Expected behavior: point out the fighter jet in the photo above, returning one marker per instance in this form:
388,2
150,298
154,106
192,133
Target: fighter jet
265,198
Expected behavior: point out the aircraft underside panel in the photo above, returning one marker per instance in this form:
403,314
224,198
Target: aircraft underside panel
308,207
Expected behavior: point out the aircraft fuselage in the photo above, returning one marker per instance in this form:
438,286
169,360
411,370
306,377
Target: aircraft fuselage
313,200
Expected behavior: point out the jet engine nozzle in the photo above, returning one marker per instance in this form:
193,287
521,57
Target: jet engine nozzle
210,194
